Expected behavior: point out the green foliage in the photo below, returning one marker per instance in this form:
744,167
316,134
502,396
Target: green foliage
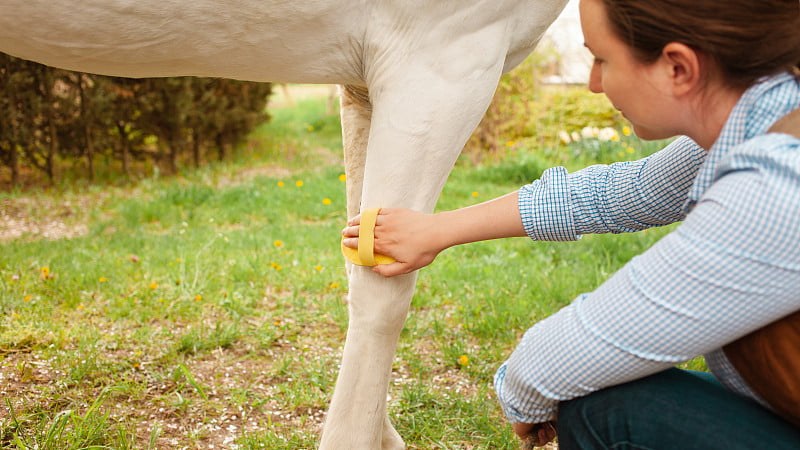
67,124
524,109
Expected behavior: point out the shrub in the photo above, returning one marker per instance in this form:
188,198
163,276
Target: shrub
51,117
524,109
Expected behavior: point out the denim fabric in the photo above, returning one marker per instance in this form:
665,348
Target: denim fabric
675,409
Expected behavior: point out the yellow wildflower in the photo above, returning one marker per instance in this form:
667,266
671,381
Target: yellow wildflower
342,177
281,184
463,360
298,183
278,243
475,194
102,279
318,268
626,130
630,150
326,201
27,298
198,297
153,286
334,285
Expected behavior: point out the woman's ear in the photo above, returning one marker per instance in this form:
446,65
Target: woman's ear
682,67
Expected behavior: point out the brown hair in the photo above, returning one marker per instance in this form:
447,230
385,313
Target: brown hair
747,39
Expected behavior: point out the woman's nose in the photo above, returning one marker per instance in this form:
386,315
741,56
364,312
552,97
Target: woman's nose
596,79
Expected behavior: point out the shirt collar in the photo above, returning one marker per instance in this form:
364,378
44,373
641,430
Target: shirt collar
758,108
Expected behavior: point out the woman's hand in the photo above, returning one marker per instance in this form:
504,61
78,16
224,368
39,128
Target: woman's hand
410,237
536,435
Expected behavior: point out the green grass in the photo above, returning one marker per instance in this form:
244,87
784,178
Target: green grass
208,309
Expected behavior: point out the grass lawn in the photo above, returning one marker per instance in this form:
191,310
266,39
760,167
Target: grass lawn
207,310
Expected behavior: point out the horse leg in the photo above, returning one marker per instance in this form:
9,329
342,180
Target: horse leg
415,135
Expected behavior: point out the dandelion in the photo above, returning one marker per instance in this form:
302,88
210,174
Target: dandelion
281,184
178,282
278,243
463,360
15,315
27,298
630,150
153,286
275,266
342,177
510,143
198,297
475,193
310,128
620,154
298,183
326,201
80,306
102,279
334,285
626,130
318,268
45,272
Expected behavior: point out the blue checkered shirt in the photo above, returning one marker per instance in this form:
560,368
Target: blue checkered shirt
731,267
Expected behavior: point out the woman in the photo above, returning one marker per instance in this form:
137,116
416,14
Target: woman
600,371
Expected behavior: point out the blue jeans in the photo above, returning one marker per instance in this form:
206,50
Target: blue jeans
675,409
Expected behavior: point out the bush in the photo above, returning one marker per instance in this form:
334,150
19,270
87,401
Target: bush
524,109
52,118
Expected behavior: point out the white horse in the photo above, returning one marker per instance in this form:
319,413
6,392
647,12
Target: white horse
418,76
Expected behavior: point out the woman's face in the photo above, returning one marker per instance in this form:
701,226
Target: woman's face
631,86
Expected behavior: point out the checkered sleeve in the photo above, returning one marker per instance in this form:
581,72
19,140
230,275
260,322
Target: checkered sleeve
621,197
730,268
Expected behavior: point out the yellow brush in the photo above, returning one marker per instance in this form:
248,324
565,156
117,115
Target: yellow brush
365,255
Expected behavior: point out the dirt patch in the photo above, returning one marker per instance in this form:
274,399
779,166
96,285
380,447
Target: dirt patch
41,218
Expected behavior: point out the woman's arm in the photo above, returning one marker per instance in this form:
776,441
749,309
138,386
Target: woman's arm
414,239
616,198
729,269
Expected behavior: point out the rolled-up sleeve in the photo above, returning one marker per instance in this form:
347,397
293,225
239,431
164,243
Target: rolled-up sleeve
621,197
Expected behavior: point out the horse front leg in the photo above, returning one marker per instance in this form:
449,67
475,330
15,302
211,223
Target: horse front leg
415,135
348,424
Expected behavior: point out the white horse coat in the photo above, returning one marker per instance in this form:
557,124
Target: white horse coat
418,77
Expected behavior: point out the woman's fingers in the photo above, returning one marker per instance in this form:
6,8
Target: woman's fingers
391,270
